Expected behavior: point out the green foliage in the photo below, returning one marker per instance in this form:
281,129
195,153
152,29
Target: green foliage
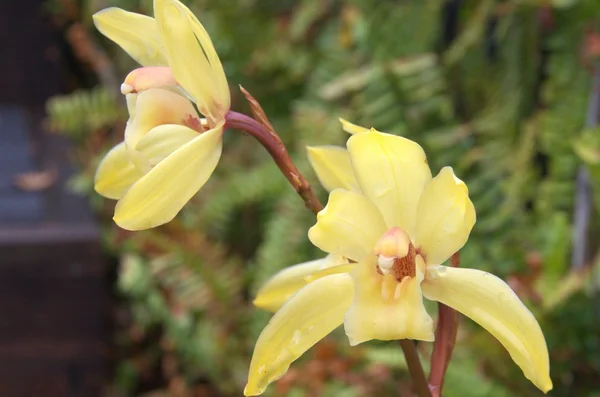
83,111
496,89
465,378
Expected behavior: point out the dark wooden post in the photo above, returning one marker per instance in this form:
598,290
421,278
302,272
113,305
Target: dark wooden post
55,293
55,298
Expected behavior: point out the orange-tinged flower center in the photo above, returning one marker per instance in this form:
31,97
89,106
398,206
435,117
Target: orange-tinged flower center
396,254
193,122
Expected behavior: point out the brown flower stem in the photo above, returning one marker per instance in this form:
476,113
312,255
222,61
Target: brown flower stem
272,142
445,338
414,368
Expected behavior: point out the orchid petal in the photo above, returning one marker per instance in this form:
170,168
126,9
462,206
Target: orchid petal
303,320
445,217
392,172
349,225
333,168
491,303
386,309
131,101
163,140
134,33
115,174
190,53
279,288
155,107
160,194
352,128
328,271
213,58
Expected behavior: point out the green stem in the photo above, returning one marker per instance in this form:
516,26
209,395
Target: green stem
415,369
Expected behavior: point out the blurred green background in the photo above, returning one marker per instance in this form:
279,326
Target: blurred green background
500,90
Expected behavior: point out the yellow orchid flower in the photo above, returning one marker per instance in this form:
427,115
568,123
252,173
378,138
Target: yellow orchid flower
169,151
398,225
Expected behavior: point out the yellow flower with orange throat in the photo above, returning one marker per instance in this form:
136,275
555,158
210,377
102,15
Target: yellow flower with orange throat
388,227
170,148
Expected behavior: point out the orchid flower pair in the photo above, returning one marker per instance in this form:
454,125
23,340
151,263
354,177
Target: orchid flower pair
388,226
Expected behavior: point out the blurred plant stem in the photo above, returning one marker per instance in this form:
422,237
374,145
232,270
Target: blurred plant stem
583,190
88,52
261,129
445,338
414,368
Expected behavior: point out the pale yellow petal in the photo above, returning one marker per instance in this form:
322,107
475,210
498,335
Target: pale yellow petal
333,168
213,58
352,128
445,217
131,100
279,288
338,269
155,107
187,47
115,173
311,314
491,303
163,140
349,225
385,309
134,33
160,194
142,79
392,172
